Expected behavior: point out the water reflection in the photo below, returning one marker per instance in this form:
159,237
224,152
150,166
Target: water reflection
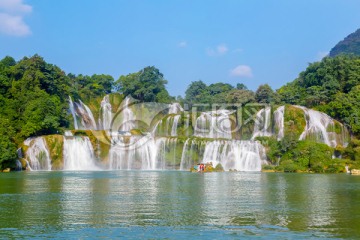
54,202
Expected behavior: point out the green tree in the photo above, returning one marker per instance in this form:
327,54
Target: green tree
241,86
147,85
240,96
194,91
264,94
7,146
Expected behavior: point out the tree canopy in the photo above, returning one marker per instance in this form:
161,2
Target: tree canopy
199,92
147,85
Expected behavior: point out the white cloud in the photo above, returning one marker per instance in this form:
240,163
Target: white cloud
242,71
13,25
182,44
219,50
14,6
12,14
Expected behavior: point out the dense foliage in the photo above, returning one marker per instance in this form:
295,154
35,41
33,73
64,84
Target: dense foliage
147,85
331,86
350,45
218,93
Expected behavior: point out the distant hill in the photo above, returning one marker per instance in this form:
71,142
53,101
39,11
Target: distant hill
350,45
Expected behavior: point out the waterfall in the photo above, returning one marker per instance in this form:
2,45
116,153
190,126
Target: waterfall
87,118
85,114
214,124
72,109
78,154
319,127
38,154
169,129
106,114
175,125
279,121
128,117
133,152
175,108
262,123
19,153
192,152
166,153
239,155
68,134
157,128
186,159
18,165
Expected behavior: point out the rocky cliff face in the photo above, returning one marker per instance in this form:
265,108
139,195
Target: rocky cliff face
350,45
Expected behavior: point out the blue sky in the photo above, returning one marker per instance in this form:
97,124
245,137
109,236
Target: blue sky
233,41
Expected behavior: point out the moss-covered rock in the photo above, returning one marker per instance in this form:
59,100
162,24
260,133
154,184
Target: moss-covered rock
55,144
294,121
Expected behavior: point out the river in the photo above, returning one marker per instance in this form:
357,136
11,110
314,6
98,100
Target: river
178,205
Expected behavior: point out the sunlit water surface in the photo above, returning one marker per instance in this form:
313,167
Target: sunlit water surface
177,205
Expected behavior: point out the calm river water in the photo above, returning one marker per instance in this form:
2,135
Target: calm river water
177,205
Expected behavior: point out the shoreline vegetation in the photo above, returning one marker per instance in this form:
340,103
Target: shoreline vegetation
35,95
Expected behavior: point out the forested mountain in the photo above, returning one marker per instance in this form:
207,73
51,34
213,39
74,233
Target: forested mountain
350,45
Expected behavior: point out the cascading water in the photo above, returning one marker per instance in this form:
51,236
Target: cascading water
192,152
106,114
166,147
166,153
262,126
279,121
78,154
127,116
133,152
84,113
239,155
321,128
186,159
87,119
38,155
175,125
175,108
169,129
214,124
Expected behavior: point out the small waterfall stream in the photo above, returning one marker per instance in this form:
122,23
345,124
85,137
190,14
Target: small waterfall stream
78,154
279,121
38,155
80,110
127,117
106,116
263,123
175,108
321,128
